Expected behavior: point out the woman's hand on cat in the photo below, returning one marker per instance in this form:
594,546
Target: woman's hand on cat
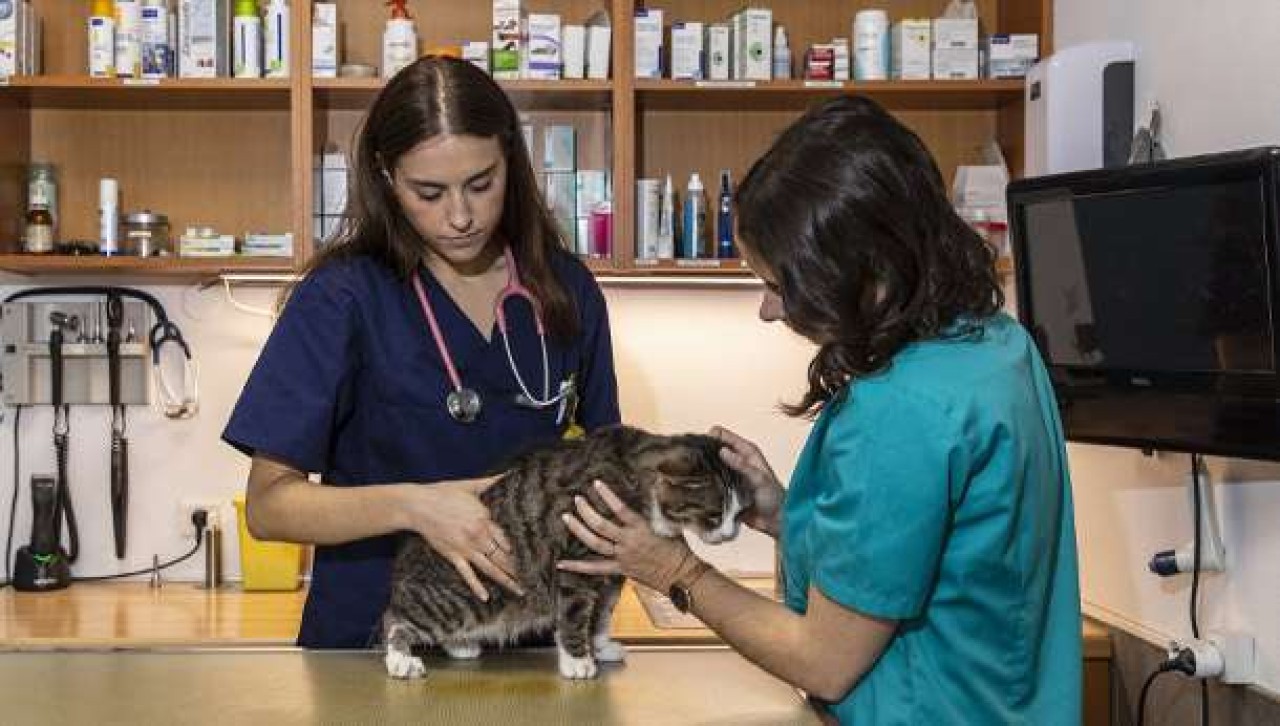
631,546
746,458
453,520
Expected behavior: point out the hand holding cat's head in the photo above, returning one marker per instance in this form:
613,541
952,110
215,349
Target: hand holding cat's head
695,490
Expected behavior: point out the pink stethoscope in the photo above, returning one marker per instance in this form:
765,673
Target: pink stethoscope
464,403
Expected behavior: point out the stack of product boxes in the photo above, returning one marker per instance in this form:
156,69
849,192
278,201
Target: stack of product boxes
20,34
521,45
743,48
740,49
572,194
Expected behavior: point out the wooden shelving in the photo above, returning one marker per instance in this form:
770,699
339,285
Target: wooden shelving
140,266
237,155
529,95
82,92
797,94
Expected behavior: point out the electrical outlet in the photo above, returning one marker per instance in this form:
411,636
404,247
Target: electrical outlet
1238,656
188,507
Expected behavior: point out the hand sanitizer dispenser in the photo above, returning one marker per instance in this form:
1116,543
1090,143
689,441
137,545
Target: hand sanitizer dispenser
1079,111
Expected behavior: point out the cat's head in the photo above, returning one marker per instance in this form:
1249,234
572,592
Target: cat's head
694,490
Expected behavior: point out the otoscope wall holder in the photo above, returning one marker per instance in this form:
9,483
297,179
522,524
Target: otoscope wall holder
25,328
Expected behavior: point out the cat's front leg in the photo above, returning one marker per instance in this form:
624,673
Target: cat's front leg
576,600
605,648
399,659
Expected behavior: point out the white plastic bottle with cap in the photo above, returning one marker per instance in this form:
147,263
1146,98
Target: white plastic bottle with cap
247,40
871,45
276,40
781,55
108,216
695,220
399,40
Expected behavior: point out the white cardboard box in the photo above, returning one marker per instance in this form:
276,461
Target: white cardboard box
756,45
910,50
599,48
648,22
324,41
506,41
574,51
544,47
955,64
687,55
955,33
719,52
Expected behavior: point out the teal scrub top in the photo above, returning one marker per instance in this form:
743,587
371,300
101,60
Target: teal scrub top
936,494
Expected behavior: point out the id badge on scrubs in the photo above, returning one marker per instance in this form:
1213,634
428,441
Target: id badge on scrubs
568,413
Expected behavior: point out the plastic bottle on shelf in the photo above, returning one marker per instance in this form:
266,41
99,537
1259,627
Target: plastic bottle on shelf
108,216
276,40
247,40
695,220
667,221
724,218
102,39
871,45
399,40
781,55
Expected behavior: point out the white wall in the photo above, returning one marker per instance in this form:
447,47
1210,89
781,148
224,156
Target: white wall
1212,67
687,359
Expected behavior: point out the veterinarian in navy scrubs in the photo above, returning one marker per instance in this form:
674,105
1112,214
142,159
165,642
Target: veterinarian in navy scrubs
411,353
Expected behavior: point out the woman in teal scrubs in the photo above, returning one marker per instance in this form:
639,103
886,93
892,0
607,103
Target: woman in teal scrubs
926,537
390,367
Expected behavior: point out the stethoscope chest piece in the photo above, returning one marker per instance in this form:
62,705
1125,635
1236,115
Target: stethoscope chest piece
463,405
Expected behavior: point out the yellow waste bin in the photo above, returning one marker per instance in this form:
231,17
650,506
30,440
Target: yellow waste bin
266,565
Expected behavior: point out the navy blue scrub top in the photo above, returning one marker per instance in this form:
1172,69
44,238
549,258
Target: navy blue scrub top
350,384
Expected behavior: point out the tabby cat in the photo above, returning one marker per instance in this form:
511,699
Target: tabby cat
679,482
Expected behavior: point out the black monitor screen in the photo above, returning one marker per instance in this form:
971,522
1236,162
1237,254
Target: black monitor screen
1160,279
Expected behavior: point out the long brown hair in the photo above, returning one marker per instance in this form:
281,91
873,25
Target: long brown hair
849,212
432,96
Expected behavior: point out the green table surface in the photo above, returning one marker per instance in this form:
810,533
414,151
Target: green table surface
668,686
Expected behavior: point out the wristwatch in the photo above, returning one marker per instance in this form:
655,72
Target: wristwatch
681,591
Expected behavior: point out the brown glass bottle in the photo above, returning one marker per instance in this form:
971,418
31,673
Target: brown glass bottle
39,236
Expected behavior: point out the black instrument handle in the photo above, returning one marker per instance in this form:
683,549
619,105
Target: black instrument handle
55,366
119,491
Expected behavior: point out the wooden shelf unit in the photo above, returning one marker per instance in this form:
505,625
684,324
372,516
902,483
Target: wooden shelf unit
237,154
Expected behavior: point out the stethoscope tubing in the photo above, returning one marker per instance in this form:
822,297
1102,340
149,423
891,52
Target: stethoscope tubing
513,288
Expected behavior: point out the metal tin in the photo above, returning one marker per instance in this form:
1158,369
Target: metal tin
146,233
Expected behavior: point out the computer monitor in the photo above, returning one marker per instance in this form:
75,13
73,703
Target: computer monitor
1151,293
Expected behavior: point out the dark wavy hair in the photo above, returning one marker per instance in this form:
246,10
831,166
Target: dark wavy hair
848,212
440,95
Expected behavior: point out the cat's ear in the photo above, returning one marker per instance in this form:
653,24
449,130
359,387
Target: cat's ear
671,460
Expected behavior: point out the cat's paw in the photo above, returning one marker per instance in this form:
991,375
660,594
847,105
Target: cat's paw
576,668
462,651
404,665
608,650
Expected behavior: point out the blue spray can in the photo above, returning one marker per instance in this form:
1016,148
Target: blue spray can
724,218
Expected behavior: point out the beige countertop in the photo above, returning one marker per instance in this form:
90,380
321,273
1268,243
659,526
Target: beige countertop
179,614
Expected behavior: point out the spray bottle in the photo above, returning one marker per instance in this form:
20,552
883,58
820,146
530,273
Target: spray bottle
399,40
667,221
724,217
695,220
781,55
248,40
277,39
